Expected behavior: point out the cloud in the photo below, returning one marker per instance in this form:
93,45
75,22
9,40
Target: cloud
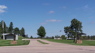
86,6
64,7
2,8
53,20
51,12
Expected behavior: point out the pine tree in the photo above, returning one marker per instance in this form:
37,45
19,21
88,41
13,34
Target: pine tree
10,30
16,31
22,31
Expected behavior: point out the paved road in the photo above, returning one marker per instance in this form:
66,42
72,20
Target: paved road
36,47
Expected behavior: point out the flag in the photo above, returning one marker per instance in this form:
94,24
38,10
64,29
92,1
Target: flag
2,24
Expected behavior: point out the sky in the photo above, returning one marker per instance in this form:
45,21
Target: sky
54,15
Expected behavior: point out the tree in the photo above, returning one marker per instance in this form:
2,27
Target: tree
10,30
74,30
1,29
63,37
41,32
22,31
16,31
76,27
31,36
67,31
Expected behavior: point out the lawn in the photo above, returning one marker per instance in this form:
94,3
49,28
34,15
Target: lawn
8,42
19,42
42,42
85,42
20,38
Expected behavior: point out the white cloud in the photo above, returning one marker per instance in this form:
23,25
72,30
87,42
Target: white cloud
51,12
53,20
86,7
64,7
2,8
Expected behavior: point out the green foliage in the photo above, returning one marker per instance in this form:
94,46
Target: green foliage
57,36
67,30
20,38
22,31
74,30
10,30
84,37
76,26
31,36
63,37
1,36
42,42
1,29
16,30
41,32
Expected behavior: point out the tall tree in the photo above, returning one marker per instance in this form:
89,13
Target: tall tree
1,29
41,32
22,31
10,28
16,31
76,27
74,30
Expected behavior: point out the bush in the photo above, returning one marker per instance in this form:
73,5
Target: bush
63,37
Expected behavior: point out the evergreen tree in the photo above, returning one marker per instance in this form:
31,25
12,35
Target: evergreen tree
1,29
41,32
16,31
22,31
10,30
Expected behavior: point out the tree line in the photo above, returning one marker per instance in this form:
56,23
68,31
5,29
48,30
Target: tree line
74,31
10,29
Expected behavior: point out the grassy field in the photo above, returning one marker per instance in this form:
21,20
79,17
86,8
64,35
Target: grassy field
8,42
85,42
20,38
42,42
19,42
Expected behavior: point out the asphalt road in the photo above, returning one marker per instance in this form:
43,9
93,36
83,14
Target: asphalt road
36,47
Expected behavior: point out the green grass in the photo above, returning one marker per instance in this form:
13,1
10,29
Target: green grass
8,42
20,38
42,42
85,42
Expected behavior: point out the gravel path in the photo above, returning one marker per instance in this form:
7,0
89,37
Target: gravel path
36,47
